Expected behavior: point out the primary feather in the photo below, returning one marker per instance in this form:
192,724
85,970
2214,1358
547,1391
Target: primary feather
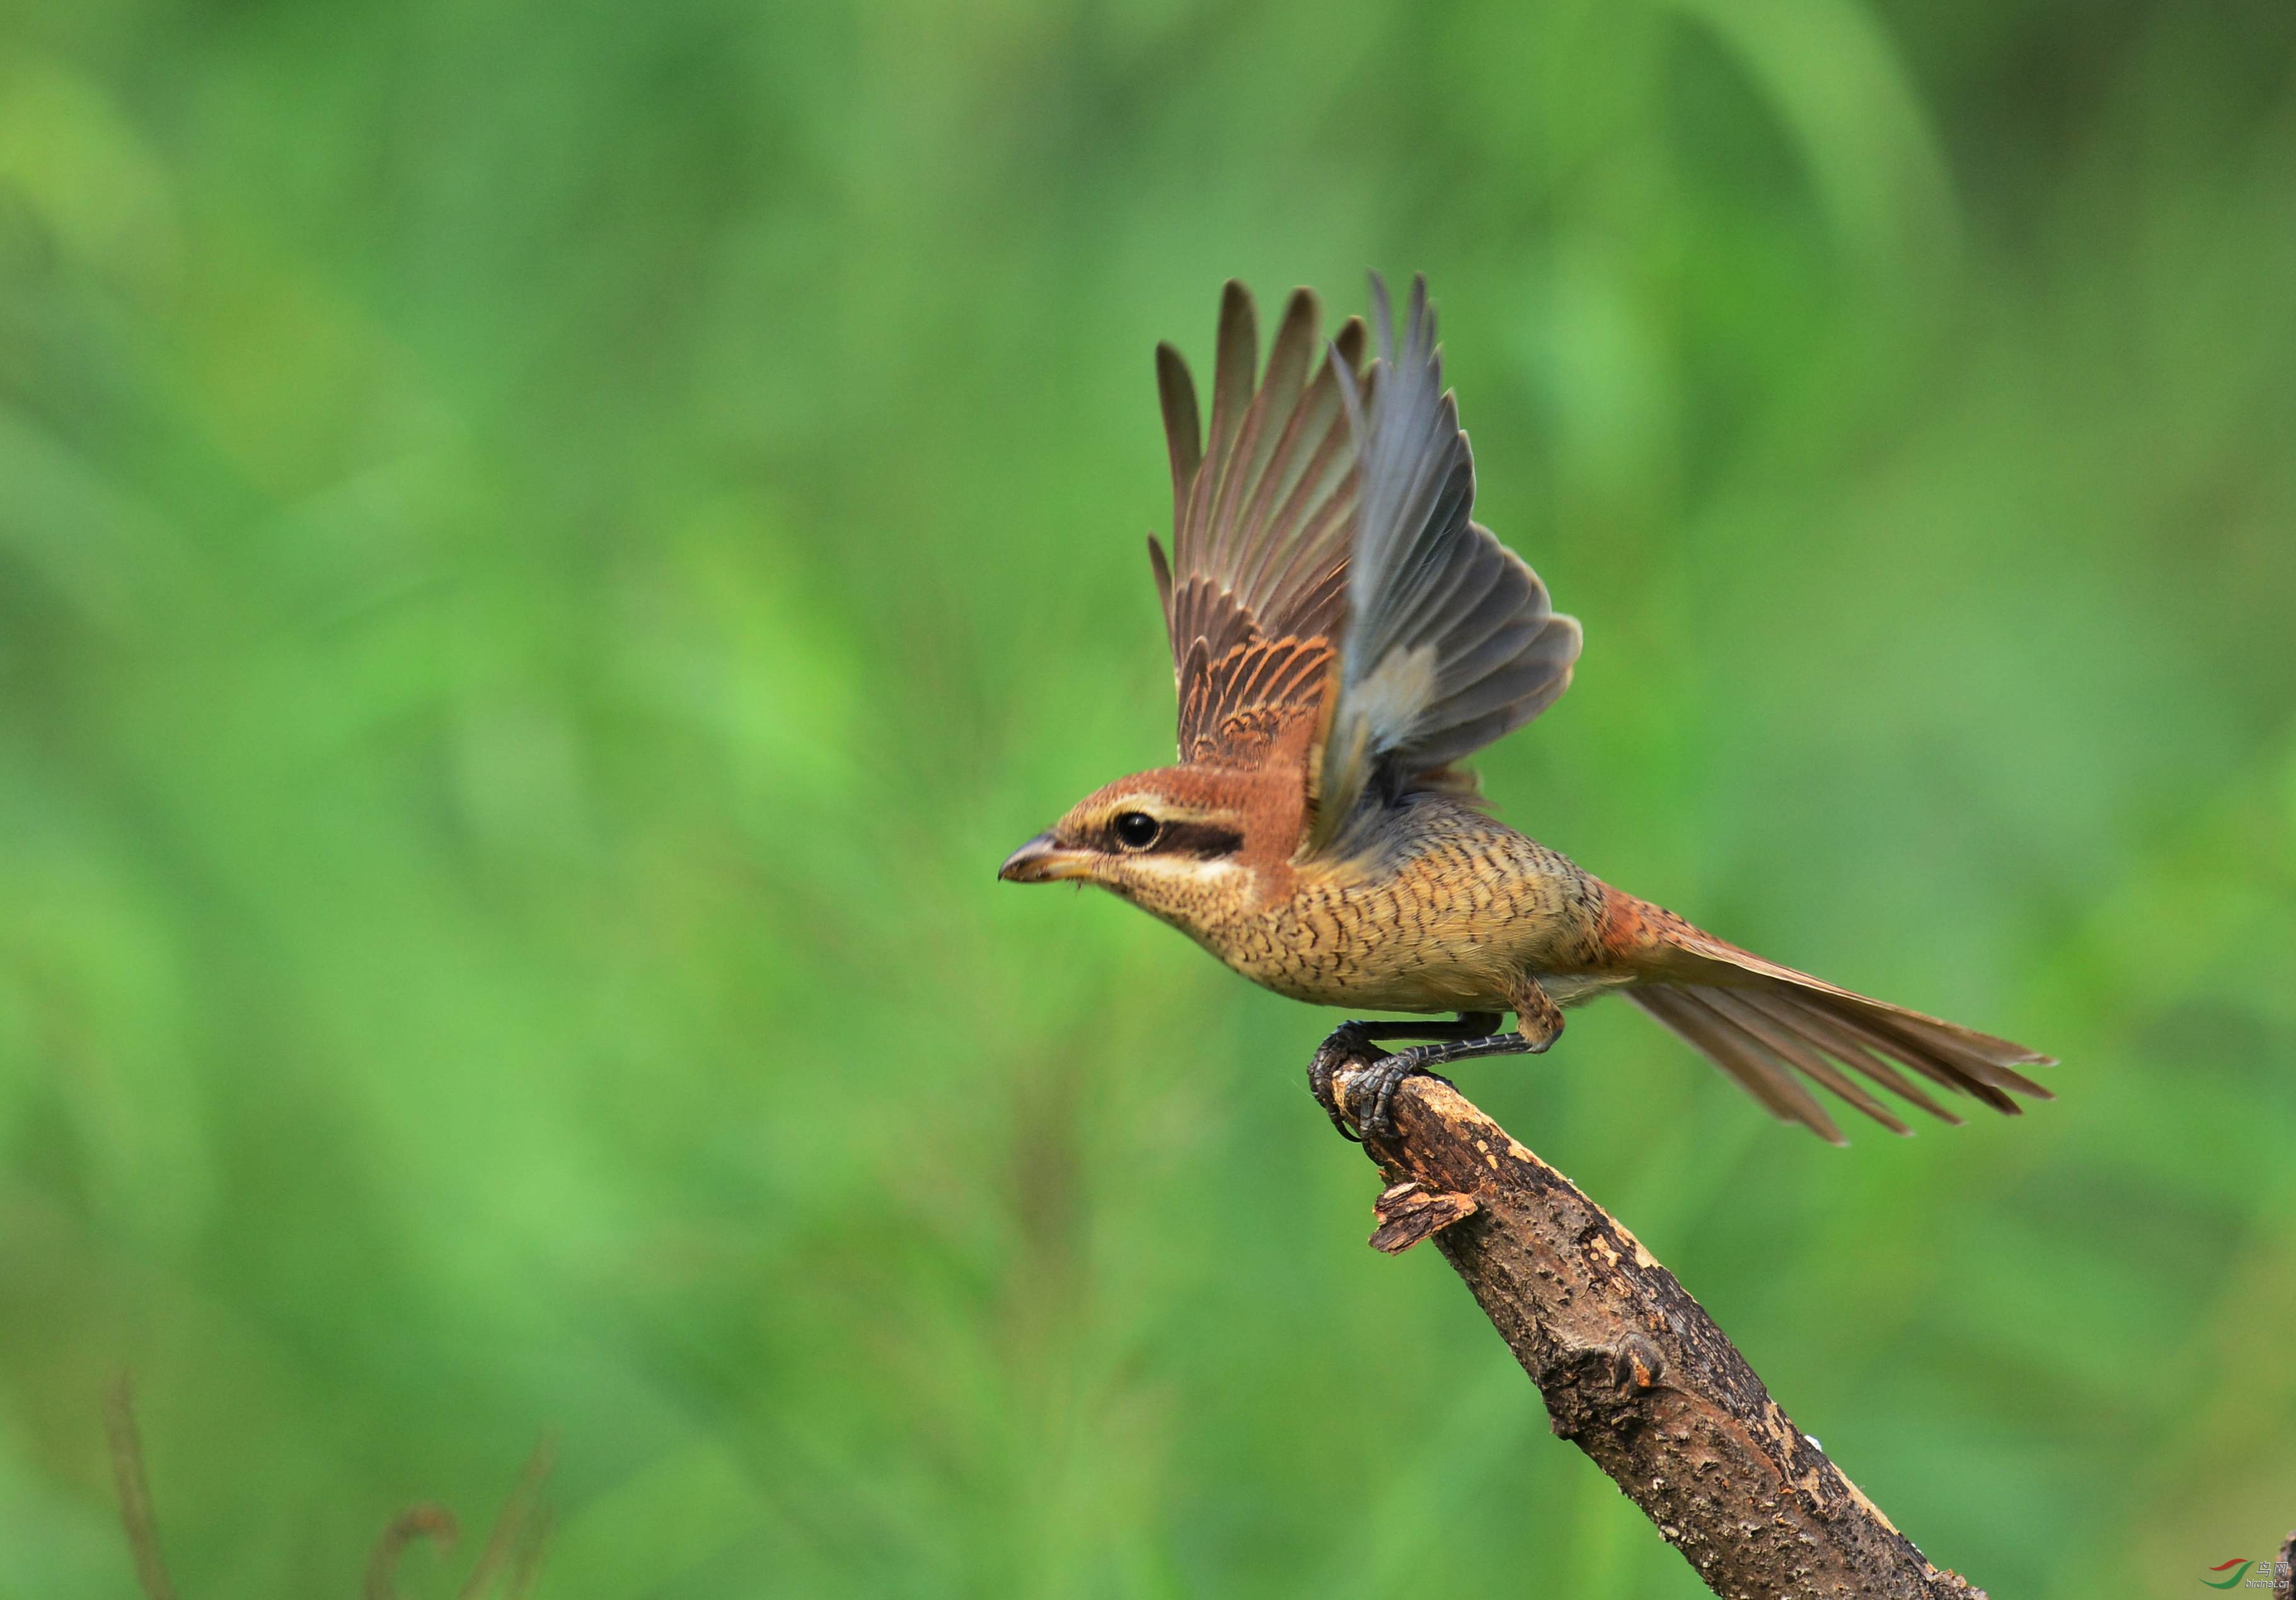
1451,640
1262,512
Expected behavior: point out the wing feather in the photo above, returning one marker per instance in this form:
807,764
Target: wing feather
1255,590
1451,640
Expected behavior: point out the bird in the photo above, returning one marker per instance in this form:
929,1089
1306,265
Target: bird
1344,636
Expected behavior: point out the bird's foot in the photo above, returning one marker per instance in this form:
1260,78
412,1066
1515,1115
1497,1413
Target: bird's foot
1386,1075
1376,1072
1347,1046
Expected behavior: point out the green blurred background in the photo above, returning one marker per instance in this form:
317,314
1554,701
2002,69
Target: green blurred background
547,551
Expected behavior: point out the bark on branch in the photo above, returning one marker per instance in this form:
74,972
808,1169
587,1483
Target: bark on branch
1634,1370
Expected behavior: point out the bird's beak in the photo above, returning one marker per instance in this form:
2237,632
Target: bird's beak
1042,860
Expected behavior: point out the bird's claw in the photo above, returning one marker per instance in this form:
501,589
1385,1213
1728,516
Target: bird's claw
1387,1075
1346,1046
1380,1071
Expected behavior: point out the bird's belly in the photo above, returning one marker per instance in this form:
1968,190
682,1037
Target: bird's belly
1327,957
1571,989
1422,990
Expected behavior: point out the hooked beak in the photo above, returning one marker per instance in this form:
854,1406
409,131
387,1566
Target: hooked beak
1042,860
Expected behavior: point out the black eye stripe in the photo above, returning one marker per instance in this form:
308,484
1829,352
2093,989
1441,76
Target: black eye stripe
1205,839
1135,833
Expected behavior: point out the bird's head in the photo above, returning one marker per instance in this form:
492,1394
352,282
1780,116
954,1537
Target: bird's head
1174,842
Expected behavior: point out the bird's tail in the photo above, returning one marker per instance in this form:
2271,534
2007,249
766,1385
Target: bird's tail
1770,1027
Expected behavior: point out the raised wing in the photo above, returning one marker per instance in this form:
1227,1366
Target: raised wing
1450,639
1261,514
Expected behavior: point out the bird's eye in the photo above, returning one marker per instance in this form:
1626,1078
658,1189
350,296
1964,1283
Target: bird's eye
1137,830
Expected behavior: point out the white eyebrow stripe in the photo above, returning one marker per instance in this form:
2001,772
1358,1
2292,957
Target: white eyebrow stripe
1163,810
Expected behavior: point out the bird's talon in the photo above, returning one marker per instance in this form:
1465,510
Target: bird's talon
1348,1046
1388,1074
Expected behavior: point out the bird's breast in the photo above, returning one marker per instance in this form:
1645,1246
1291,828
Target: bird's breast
1447,918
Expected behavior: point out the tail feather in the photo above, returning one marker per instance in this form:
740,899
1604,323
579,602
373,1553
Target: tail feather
1688,1013
1981,1054
1939,1064
1782,1041
1768,1026
1825,1034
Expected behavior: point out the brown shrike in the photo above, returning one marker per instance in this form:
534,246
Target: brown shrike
1344,636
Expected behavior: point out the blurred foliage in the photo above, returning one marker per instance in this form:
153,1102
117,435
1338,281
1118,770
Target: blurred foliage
547,551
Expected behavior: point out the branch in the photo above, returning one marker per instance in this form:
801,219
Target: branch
519,1534
1634,1370
135,1487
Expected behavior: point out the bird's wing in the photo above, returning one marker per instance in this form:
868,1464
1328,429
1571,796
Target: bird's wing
1257,586
1450,640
